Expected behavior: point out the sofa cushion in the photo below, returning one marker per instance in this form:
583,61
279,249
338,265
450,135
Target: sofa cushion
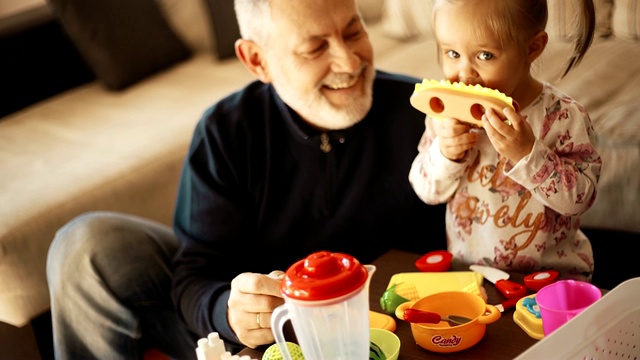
604,12
122,41
626,19
563,12
406,19
189,20
225,26
91,149
371,10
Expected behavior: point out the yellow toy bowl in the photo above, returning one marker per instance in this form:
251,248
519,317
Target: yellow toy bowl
388,342
444,337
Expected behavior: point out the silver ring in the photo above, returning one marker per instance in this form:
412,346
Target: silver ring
258,320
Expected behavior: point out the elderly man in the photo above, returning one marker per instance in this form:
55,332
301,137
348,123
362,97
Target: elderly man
313,155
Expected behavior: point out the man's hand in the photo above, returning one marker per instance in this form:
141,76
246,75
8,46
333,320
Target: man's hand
455,138
251,302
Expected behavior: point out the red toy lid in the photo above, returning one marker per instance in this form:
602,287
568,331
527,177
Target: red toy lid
540,279
323,275
435,261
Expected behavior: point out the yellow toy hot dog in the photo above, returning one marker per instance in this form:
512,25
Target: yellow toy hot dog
444,99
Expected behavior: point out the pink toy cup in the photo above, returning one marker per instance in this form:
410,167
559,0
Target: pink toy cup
559,302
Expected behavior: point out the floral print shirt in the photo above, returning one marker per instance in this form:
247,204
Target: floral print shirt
522,216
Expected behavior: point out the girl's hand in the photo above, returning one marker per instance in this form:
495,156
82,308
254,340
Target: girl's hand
455,138
513,141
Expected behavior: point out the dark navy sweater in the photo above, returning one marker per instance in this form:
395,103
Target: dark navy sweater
258,193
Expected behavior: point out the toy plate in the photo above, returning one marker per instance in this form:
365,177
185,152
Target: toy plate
381,321
427,283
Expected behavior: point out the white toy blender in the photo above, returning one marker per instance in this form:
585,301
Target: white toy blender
327,300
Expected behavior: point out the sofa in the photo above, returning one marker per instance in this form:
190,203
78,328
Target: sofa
116,138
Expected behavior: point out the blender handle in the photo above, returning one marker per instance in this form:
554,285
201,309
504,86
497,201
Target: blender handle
279,317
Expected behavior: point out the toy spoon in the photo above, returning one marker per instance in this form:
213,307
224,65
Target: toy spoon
421,316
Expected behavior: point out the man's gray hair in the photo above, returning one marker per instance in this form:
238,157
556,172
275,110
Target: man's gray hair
254,19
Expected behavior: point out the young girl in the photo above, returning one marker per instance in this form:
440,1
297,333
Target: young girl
515,189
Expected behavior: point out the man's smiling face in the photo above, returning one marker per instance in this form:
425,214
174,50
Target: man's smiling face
320,60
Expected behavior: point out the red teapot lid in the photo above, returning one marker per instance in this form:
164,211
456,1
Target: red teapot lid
323,275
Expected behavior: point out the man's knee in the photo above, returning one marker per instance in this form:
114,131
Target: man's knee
83,238
111,247
84,232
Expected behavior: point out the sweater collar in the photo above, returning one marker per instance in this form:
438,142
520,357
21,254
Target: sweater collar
301,128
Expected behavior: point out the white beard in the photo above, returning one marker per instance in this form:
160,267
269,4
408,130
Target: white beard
319,111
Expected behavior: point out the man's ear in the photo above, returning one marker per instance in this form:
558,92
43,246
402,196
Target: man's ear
251,55
537,45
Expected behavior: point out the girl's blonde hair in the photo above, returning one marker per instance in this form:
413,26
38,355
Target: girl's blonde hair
516,21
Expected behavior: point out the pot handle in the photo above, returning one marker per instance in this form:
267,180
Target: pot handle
401,308
491,315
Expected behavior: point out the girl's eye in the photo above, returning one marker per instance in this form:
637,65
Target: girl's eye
485,55
452,54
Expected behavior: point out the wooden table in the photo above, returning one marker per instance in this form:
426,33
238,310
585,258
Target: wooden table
504,339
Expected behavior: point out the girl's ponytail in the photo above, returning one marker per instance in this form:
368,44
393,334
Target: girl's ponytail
582,34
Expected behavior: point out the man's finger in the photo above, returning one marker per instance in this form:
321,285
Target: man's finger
258,284
276,274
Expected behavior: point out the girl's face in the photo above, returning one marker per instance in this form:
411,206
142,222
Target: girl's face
471,54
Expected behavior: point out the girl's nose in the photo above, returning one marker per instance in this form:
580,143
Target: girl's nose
466,72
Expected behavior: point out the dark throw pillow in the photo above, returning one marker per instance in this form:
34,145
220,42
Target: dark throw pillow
123,41
225,27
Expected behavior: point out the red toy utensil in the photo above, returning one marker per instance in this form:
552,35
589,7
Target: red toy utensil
421,316
540,279
508,288
507,304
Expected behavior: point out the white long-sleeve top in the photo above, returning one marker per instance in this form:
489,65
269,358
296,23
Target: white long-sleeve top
522,216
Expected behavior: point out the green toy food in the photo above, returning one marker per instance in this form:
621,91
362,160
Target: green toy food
273,352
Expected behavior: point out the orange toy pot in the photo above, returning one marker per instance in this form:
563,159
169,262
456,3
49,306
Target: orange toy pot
444,337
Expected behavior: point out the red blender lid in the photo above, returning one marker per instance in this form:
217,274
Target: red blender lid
323,275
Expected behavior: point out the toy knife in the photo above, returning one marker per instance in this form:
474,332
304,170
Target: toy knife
507,304
500,279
